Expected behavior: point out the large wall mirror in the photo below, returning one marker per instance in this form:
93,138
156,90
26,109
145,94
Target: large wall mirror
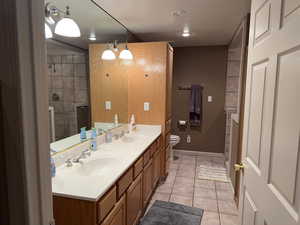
69,70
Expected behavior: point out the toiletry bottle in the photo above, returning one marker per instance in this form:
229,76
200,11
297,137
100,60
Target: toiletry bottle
94,140
82,134
53,167
131,123
116,120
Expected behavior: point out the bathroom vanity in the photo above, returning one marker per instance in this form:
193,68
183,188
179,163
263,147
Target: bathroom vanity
114,185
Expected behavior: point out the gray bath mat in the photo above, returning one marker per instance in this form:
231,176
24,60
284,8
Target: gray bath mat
169,213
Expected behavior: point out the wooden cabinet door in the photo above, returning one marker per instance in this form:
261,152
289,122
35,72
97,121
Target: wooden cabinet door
169,83
118,215
134,201
147,182
156,168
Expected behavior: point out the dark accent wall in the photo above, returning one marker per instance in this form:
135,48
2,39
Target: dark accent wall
205,65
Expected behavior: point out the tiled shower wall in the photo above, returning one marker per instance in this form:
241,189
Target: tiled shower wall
68,87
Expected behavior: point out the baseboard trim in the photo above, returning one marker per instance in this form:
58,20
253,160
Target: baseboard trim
195,153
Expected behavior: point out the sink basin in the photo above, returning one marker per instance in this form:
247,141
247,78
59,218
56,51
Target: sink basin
93,167
129,138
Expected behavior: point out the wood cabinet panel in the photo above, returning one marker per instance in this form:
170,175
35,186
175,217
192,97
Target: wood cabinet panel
147,156
147,81
167,140
147,182
124,182
107,203
168,125
73,211
156,168
134,201
169,83
118,215
138,167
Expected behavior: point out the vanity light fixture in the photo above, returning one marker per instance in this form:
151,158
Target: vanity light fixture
108,54
126,54
66,26
48,32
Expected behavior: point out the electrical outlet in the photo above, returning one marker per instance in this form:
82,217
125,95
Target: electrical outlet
146,106
209,99
188,139
107,105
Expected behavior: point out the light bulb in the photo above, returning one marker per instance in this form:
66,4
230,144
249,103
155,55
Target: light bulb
108,55
126,54
67,27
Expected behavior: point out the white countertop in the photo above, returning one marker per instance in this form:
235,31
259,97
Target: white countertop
92,178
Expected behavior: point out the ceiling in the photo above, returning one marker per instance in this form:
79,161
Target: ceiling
91,20
211,22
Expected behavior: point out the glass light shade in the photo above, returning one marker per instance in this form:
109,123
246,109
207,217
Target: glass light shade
126,54
67,27
108,55
48,32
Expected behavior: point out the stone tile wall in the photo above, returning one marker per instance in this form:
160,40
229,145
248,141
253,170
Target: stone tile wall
68,86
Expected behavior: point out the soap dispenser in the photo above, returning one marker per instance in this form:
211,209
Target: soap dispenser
132,123
82,134
94,139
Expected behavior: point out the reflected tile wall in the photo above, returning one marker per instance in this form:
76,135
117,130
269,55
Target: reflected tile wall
68,85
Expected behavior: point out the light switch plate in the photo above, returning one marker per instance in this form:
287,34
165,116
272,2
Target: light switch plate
209,99
107,105
146,106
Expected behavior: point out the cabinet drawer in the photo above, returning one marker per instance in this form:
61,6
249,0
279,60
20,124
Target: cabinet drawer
168,126
107,203
147,156
124,182
138,167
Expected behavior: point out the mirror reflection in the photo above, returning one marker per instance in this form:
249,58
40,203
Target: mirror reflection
70,34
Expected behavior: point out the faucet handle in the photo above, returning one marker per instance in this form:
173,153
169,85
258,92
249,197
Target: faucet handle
87,152
68,163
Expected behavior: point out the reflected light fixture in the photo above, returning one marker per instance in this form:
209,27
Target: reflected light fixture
48,32
108,54
186,34
126,54
66,26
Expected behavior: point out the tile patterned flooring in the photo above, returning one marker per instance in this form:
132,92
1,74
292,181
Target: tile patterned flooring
183,186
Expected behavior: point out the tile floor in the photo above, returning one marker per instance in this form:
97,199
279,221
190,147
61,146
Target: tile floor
182,186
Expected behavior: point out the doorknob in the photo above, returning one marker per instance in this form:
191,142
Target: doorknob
239,167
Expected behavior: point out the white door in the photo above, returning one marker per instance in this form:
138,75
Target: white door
270,193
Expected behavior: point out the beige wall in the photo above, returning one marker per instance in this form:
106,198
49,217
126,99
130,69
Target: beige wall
207,66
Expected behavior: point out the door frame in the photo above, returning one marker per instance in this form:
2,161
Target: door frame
243,74
24,99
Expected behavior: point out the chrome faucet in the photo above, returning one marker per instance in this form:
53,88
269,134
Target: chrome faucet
82,155
69,163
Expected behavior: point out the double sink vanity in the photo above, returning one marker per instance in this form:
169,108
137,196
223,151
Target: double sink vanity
113,185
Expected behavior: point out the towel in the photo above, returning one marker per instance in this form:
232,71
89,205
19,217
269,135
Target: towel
196,105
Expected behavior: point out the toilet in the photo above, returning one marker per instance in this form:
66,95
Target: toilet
174,140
